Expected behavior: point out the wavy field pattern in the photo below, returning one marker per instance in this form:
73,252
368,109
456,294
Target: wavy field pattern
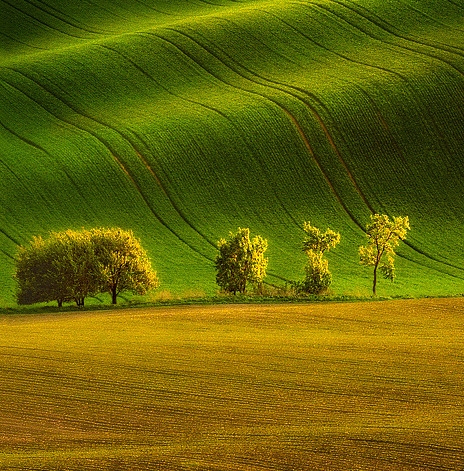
185,119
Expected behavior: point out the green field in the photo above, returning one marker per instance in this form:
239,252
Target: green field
184,119
332,386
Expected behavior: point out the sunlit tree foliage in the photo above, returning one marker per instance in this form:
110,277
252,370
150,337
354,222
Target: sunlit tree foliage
383,236
318,277
72,265
241,261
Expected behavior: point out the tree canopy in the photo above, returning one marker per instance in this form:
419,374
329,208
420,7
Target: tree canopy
383,236
318,277
241,261
72,265
122,262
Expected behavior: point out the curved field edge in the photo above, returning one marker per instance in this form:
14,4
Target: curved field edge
312,386
261,114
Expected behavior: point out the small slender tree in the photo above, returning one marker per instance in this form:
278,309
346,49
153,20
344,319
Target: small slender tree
241,261
316,243
383,236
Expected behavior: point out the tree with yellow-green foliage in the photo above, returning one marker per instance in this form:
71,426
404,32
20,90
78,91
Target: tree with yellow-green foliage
73,265
123,264
383,236
316,243
241,261
61,267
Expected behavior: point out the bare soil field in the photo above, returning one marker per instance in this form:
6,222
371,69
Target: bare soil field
330,386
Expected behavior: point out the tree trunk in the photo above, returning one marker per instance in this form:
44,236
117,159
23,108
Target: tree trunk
114,296
374,285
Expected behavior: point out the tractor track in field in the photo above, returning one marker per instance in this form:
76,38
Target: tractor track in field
108,146
276,85
48,26
269,84
261,81
384,25
42,149
397,69
312,153
150,169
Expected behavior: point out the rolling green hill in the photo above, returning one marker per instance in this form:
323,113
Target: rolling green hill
184,119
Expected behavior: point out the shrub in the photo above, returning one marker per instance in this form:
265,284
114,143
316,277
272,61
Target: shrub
318,277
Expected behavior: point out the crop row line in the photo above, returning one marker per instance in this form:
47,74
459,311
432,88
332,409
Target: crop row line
11,38
395,143
151,172
42,149
328,137
253,92
435,20
108,146
319,165
280,87
35,101
54,13
364,92
75,23
354,83
435,259
369,34
317,116
151,7
456,4
221,113
215,76
43,23
390,28
147,165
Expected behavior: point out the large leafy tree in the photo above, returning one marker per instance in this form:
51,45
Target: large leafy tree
62,268
316,243
383,236
241,261
72,265
122,262
37,281
75,261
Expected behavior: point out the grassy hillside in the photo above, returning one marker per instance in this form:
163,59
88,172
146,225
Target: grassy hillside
184,119
362,386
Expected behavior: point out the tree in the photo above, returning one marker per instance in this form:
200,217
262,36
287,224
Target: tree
122,262
318,277
76,265
60,268
72,265
383,236
241,261
34,275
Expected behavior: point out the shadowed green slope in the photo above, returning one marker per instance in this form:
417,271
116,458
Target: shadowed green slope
183,120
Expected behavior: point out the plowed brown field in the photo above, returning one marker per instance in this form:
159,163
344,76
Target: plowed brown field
360,386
